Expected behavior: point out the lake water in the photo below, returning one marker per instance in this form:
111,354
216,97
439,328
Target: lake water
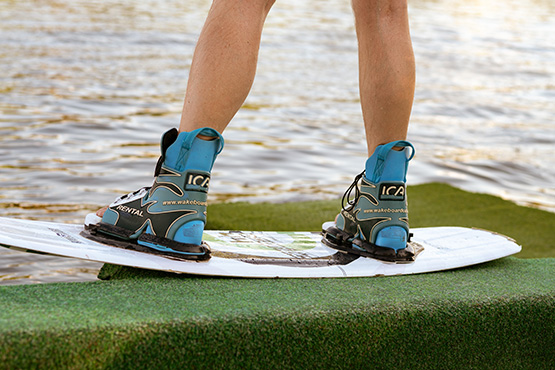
88,87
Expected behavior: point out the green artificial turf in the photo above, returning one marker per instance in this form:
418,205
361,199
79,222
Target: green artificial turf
498,315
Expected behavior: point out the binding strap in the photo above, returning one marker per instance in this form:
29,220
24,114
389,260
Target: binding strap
382,152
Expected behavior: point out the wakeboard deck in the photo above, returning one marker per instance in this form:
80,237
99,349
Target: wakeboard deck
266,254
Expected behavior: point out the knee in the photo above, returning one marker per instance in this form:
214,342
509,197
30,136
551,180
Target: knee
381,9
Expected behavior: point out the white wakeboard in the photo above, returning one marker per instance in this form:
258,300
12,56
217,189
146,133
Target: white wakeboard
266,254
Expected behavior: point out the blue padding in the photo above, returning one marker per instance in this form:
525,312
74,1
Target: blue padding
162,248
394,168
389,164
394,237
110,217
203,154
190,152
190,233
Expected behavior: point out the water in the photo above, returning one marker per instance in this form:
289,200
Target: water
87,88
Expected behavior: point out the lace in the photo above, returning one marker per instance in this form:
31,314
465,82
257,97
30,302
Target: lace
143,190
354,186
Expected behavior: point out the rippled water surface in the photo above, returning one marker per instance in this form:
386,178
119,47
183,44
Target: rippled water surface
88,87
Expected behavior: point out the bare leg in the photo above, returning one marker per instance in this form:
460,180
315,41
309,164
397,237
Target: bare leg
224,63
375,223
223,66
386,69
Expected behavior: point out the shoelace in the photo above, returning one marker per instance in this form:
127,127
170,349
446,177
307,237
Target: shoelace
132,194
354,186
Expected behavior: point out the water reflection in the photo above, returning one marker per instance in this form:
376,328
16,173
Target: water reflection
88,87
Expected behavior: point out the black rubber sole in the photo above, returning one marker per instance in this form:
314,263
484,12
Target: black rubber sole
338,239
118,237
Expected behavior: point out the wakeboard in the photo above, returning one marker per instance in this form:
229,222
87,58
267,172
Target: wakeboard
266,254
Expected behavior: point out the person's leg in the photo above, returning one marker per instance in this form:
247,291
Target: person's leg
375,222
224,63
386,69
169,217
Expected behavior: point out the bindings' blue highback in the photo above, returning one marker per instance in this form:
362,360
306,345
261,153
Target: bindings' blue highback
375,222
168,217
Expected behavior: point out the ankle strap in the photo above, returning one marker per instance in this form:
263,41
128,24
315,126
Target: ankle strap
206,131
382,152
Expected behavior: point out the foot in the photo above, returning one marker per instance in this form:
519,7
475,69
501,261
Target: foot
375,223
168,217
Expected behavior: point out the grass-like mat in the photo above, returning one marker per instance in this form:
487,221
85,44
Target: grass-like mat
496,315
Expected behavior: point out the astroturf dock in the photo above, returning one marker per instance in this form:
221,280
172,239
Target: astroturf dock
498,315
